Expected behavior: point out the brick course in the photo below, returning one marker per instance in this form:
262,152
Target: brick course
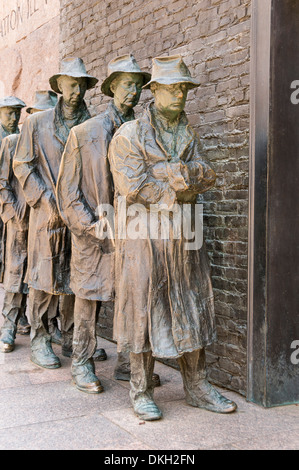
213,36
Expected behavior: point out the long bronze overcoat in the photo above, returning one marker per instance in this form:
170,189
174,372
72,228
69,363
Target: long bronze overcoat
15,215
84,183
3,134
36,165
164,297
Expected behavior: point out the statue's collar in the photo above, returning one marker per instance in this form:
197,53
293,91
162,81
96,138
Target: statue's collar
117,116
61,129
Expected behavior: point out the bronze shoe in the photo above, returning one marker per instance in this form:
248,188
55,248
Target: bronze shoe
100,355
85,379
43,355
6,347
207,397
146,409
7,341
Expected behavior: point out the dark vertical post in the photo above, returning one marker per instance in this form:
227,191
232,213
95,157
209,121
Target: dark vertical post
273,306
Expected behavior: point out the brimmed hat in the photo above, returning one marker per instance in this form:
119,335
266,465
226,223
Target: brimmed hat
170,70
44,99
11,102
123,64
75,68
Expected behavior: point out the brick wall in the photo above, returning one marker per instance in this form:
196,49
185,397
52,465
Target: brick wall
214,38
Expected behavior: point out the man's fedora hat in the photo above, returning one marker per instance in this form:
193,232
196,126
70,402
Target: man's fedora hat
170,70
75,68
125,63
11,102
44,99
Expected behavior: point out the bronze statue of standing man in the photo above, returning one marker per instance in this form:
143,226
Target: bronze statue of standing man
14,223
164,299
36,165
84,184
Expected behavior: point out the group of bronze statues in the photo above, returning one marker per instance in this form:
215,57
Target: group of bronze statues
54,176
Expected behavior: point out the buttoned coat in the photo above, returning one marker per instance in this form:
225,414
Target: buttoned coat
15,215
36,165
164,298
84,184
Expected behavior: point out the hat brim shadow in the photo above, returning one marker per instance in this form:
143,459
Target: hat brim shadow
105,87
91,81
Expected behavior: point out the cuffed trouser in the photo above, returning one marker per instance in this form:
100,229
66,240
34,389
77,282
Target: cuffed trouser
43,306
84,340
14,306
192,366
142,368
193,370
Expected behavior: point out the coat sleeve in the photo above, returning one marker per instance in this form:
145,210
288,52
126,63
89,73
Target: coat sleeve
73,207
198,175
133,178
25,165
7,196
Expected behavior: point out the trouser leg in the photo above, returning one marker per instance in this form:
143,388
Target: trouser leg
142,387
12,308
23,324
84,346
122,370
66,310
40,303
193,370
53,313
199,392
84,340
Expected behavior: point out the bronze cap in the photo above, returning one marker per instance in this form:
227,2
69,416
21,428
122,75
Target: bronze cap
122,64
170,70
11,102
75,68
44,99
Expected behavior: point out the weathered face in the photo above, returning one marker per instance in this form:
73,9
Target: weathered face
170,99
127,88
72,89
10,117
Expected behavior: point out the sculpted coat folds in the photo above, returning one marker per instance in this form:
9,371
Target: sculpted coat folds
173,287
36,165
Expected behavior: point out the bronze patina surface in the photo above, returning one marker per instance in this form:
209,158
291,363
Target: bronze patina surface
36,165
84,183
164,299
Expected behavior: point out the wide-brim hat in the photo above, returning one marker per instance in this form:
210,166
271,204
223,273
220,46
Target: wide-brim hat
11,102
44,99
122,64
75,68
170,70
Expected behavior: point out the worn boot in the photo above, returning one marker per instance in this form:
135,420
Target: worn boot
199,392
100,355
142,388
7,339
122,370
84,377
42,353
